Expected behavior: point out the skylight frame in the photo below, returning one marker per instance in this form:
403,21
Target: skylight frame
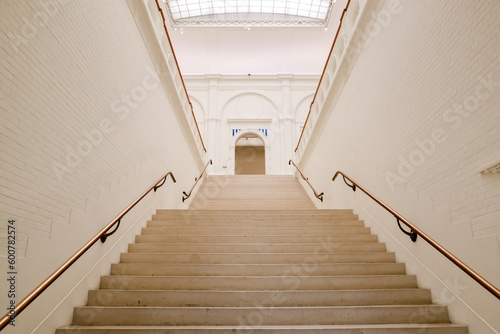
249,13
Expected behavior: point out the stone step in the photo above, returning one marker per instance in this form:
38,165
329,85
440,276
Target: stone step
254,223
258,186
188,230
311,212
314,248
276,239
251,193
273,198
238,189
158,269
256,217
250,283
233,193
283,329
257,258
293,194
217,316
202,298
245,205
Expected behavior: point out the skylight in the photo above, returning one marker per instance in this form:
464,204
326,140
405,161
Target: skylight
249,12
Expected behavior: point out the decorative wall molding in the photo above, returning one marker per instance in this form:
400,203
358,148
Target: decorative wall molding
264,103
150,24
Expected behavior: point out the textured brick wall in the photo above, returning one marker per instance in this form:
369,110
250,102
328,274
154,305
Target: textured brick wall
421,107
416,122
428,116
81,110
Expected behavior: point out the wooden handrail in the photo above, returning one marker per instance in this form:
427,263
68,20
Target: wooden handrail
196,179
99,236
323,74
180,74
318,196
478,278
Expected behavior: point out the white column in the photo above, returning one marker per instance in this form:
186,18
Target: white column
286,124
213,123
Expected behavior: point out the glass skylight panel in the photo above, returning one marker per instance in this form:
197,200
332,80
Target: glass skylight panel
249,12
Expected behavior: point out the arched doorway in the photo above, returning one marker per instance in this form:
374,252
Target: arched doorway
249,155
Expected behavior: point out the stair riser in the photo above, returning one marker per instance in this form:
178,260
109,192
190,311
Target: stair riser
362,238
231,194
244,205
313,212
257,298
234,223
245,248
254,231
254,217
256,283
257,270
254,206
252,199
243,258
259,316
423,329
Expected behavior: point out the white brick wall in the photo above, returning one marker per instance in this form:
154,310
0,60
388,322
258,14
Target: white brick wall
59,86
83,116
421,71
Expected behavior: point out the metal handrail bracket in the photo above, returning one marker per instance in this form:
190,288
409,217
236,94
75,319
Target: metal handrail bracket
318,196
415,231
102,235
196,179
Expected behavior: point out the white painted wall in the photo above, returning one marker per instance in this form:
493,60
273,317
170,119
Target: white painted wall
411,111
87,125
273,107
257,51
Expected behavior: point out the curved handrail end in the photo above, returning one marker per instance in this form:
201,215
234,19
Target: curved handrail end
172,176
196,179
335,176
318,196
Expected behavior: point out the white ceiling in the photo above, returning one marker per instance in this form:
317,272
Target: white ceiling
256,51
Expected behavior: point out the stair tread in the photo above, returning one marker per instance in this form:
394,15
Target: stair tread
267,307
266,291
252,253
255,276
360,326
200,270
256,264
